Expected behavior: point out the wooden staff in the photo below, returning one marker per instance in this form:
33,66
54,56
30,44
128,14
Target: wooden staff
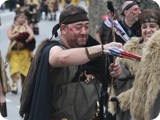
107,78
111,8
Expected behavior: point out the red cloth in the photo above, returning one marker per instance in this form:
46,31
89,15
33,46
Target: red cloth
22,37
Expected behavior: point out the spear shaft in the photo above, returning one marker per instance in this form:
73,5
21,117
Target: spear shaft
107,78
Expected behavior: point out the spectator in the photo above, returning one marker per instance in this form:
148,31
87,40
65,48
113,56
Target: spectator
130,11
103,32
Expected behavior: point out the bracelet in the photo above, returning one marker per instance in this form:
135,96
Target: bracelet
94,51
87,52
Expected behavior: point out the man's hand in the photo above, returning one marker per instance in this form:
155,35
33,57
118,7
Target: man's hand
115,70
113,44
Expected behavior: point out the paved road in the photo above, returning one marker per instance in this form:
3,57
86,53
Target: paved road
13,101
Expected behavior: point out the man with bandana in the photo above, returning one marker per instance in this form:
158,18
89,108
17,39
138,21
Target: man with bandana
64,81
130,11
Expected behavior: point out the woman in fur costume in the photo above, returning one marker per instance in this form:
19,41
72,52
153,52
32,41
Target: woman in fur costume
140,98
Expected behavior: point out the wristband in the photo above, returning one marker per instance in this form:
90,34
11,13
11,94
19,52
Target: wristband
94,51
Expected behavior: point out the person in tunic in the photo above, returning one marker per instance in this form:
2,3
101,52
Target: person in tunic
64,81
18,56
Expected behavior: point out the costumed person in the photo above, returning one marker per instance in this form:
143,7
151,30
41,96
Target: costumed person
135,88
21,45
53,8
33,17
130,12
44,8
103,32
4,88
66,72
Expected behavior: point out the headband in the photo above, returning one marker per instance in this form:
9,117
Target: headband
68,20
74,18
151,19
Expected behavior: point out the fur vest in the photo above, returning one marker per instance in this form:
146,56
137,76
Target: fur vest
129,68
145,93
143,99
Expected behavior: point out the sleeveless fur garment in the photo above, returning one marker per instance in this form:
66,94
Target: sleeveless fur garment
147,80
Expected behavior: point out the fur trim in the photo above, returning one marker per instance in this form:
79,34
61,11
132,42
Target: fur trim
112,106
135,47
124,100
132,46
147,84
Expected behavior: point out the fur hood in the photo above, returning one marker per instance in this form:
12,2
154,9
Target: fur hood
147,81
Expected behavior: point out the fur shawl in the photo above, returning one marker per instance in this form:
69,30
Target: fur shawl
133,46
141,99
146,87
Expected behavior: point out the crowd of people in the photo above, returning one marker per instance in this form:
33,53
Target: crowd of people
64,79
